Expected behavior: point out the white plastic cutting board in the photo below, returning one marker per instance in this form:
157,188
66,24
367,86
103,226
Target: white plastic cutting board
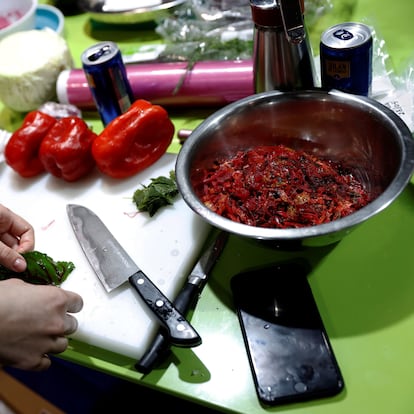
165,246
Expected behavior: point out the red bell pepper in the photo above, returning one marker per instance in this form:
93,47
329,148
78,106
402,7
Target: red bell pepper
134,140
21,151
65,151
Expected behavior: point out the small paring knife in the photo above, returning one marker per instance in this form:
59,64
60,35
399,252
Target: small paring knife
114,266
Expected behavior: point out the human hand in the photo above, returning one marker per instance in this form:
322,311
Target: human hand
34,322
16,236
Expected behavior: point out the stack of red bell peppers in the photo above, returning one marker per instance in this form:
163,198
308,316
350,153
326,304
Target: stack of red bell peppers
67,148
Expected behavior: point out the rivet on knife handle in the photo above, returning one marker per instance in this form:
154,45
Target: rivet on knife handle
181,332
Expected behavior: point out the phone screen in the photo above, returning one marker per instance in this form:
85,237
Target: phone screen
289,351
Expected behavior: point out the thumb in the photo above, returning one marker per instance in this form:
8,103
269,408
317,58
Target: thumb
11,259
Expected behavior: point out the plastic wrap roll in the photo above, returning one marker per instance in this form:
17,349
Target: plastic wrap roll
209,83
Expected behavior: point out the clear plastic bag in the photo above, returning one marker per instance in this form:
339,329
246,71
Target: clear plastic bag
218,29
391,90
200,30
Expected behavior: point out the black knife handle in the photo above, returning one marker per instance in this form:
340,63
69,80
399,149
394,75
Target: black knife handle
181,333
161,345
186,297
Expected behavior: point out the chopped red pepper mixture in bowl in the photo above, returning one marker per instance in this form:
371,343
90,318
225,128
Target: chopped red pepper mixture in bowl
278,187
305,166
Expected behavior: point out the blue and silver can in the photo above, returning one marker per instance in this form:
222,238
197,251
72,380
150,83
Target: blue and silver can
107,80
346,58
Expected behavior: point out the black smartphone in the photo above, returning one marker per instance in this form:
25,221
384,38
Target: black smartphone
289,352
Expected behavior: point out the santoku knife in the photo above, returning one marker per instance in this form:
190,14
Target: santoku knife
186,298
114,266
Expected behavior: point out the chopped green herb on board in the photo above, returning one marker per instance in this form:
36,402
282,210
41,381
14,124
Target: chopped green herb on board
41,270
159,193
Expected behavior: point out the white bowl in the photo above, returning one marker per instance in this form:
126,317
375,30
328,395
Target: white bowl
17,15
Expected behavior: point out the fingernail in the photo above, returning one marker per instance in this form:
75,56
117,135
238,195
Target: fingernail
19,265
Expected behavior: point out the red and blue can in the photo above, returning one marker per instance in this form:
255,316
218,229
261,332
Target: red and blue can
107,79
346,58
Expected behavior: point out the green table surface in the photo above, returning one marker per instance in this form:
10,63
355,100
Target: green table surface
364,286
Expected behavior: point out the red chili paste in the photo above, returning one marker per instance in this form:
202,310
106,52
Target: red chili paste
276,186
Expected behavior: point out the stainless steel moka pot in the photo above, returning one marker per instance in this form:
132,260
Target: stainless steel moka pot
282,56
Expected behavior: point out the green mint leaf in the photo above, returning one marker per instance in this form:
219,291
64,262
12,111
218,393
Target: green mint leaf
159,193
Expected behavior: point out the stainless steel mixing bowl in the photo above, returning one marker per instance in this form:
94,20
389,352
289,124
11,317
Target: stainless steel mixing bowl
132,12
355,130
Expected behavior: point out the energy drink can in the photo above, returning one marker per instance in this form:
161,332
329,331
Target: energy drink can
107,79
346,58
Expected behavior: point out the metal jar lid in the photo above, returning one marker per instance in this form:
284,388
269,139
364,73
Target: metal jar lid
346,35
267,13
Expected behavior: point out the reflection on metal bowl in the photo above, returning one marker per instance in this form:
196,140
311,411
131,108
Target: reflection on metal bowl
128,12
353,130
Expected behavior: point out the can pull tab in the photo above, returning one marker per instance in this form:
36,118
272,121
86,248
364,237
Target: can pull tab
292,18
104,50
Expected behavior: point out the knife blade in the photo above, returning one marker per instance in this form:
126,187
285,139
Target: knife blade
185,300
114,266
